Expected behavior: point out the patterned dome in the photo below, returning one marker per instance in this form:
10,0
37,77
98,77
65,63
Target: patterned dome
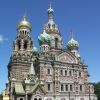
44,38
50,10
73,45
24,23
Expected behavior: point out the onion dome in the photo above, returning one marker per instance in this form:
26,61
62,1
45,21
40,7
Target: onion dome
35,50
44,38
50,10
51,25
73,44
24,23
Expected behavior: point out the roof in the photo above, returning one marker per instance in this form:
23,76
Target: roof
36,86
19,88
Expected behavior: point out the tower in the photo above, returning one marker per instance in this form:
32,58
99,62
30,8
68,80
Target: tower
40,75
22,52
73,46
52,29
44,42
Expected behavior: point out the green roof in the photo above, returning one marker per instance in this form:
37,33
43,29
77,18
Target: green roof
19,88
44,38
37,85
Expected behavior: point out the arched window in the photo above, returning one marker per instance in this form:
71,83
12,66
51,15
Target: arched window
66,87
48,87
62,87
35,98
48,71
49,25
70,73
23,32
61,72
25,45
80,87
56,42
65,72
79,74
53,25
71,88
19,45
21,99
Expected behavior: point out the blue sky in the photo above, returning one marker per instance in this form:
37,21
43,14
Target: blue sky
82,16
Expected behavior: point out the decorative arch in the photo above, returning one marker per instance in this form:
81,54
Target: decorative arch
67,58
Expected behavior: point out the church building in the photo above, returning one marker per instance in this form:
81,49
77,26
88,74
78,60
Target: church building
50,72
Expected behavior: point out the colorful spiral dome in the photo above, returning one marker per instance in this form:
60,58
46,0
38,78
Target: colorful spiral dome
44,38
72,44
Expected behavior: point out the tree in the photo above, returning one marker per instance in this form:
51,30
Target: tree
97,90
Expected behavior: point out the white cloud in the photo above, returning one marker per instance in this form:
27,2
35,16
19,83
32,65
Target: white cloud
2,39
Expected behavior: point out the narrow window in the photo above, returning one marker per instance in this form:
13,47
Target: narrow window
70,73
62,87
25,45
71,88
53,25
80,87
61,72
56,42
66,87
48,71
48,87
79,74
49,25
65,72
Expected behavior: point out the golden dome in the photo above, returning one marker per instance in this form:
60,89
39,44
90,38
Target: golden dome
24,23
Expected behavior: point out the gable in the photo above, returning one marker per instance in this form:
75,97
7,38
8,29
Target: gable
67,58
38,87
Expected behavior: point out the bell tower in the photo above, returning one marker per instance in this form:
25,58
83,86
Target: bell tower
23,41
52,29
21,57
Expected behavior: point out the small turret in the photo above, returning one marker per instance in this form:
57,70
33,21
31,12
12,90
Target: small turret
51,25
73,46
44,41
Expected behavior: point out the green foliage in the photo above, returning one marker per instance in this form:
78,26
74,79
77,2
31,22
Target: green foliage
97,90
